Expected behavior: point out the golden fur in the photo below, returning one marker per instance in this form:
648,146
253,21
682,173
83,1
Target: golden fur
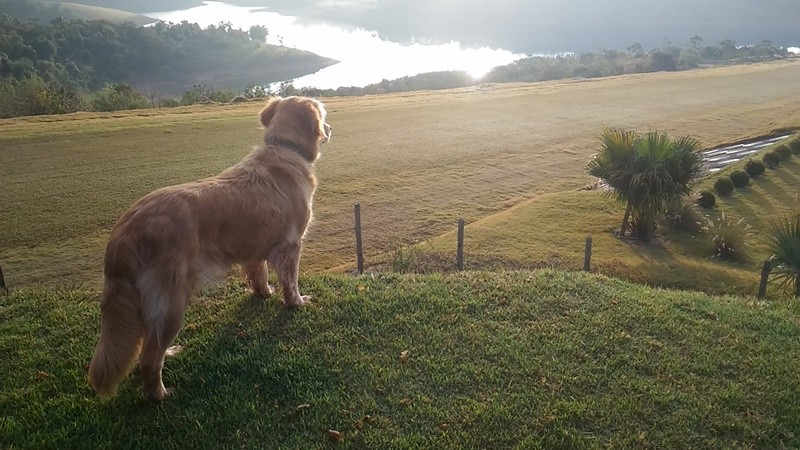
173,240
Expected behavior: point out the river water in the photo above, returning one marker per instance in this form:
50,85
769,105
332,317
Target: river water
365,57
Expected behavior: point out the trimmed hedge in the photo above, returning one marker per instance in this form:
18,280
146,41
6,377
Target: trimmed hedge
755,168
772,159
724,186
784,152
740,178
794,144
706,200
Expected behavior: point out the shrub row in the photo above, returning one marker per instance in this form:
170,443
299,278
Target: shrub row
724,186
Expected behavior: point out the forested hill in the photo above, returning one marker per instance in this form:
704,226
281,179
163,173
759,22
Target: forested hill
163,59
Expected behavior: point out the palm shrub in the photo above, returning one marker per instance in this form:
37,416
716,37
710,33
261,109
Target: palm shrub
784,152
724,186
706,200
740,178
772,159
728,237
784,243
649,172
755,168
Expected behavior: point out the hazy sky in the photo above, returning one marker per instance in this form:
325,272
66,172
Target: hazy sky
540,26
563,25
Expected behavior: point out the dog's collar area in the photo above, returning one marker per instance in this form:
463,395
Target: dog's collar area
277,142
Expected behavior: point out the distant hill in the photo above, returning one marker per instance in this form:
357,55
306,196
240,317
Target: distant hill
45,11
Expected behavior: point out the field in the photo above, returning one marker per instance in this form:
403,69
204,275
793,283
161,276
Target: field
416,162
479,359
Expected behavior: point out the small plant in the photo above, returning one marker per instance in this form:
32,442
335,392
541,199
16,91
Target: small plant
740,178
794,144
755,168
706,200
784,242
772,159
684,216
404,259
728,237
784,152
724,186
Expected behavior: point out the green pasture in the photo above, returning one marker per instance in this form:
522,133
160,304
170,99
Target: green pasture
529,359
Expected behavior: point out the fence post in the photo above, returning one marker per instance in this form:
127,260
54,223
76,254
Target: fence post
460,248
587,254
762,286
359,249
2,281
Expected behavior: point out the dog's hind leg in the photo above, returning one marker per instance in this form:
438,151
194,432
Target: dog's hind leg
162,324
285,258
257,277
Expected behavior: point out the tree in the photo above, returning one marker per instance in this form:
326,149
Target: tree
649,172
784,243
258,33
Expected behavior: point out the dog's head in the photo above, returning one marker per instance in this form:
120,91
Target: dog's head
297,123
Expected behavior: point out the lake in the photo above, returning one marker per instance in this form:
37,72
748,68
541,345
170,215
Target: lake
365,57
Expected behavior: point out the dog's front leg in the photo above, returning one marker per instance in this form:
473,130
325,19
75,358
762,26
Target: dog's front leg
286,260
257,277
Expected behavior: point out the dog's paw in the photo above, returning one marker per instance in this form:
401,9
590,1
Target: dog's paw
298,301
174,350
159,396
263,291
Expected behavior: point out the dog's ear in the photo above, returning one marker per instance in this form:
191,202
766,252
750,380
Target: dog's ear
269,111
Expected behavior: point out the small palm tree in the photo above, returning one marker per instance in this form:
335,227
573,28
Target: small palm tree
617,153
784,242
649,172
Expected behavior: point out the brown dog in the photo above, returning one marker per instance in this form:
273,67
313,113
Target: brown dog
173,240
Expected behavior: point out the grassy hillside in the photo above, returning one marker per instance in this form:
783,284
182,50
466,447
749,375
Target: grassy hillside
45,11
474,360
416,161
550,231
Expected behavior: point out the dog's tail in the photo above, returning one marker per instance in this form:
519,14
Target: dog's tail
120,337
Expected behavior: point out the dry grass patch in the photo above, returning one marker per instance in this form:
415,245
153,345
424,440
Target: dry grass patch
415,161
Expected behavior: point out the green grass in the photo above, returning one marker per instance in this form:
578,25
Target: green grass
474,360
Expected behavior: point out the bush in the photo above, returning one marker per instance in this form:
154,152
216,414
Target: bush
740,178
755,168
115,97
683,217
772,159
706,199
794,144
784,152
728,238
724,186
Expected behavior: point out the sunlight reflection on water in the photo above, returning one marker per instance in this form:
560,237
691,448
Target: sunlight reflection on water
365,57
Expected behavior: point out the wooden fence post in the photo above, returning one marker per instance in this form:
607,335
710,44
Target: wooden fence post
587,254
460,248
359,248
765,270
2,281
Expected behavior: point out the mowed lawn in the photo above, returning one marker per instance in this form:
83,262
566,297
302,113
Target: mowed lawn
416,161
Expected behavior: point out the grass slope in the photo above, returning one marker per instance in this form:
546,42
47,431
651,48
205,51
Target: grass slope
474,360
415,161
550,230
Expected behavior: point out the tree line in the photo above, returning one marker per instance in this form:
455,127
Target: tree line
72,65
69,65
